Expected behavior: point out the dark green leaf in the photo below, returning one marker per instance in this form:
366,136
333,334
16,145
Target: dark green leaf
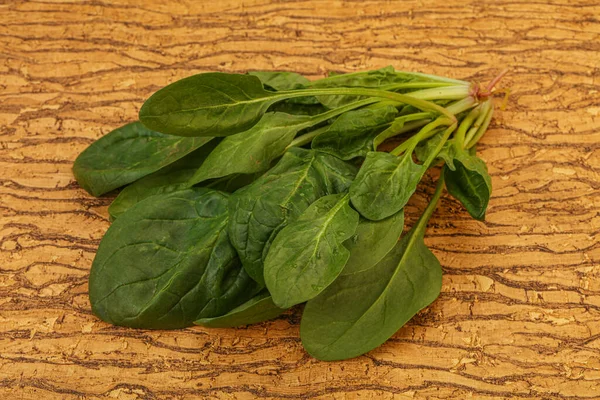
167,262
252,150
308,254
362,309
261,209
258,309
169,179
292,106
149,186
127,154
384,184
470,183
279,80
232,183
372,241
352,133
209,104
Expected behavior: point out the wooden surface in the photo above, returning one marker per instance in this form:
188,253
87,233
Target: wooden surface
519,315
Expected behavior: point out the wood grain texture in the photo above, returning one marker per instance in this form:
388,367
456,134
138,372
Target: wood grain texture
519,315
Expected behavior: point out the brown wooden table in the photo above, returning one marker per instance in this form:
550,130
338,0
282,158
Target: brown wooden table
519,315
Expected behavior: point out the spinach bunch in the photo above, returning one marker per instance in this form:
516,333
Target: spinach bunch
244,195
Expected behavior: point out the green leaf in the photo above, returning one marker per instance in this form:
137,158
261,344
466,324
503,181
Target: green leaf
167,262
258,309
308,254
352,133
264,207
127,154
168,179
294,106
209,104
372,241
390,131
252,150
280,80
364,308
469,183
384,184
232,183
150,185
220,104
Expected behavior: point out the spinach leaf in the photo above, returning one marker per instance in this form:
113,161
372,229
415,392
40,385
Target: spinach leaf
294,107
467,178
168,179
261,209
255,149
363,308
219,104
167,262
231,183
127,154
469,182
281,80
209,104
157,183
384,184
351,135
372,241
258,309
252,150
308,254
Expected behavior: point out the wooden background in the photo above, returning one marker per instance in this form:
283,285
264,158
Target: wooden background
519,315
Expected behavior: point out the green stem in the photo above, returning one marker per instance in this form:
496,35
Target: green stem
419,227
397,125
410,99
414,85
411,143
485,109
443,93
462,105
439,146
317,119
307,138
466,123
415,74
481,130
454,108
